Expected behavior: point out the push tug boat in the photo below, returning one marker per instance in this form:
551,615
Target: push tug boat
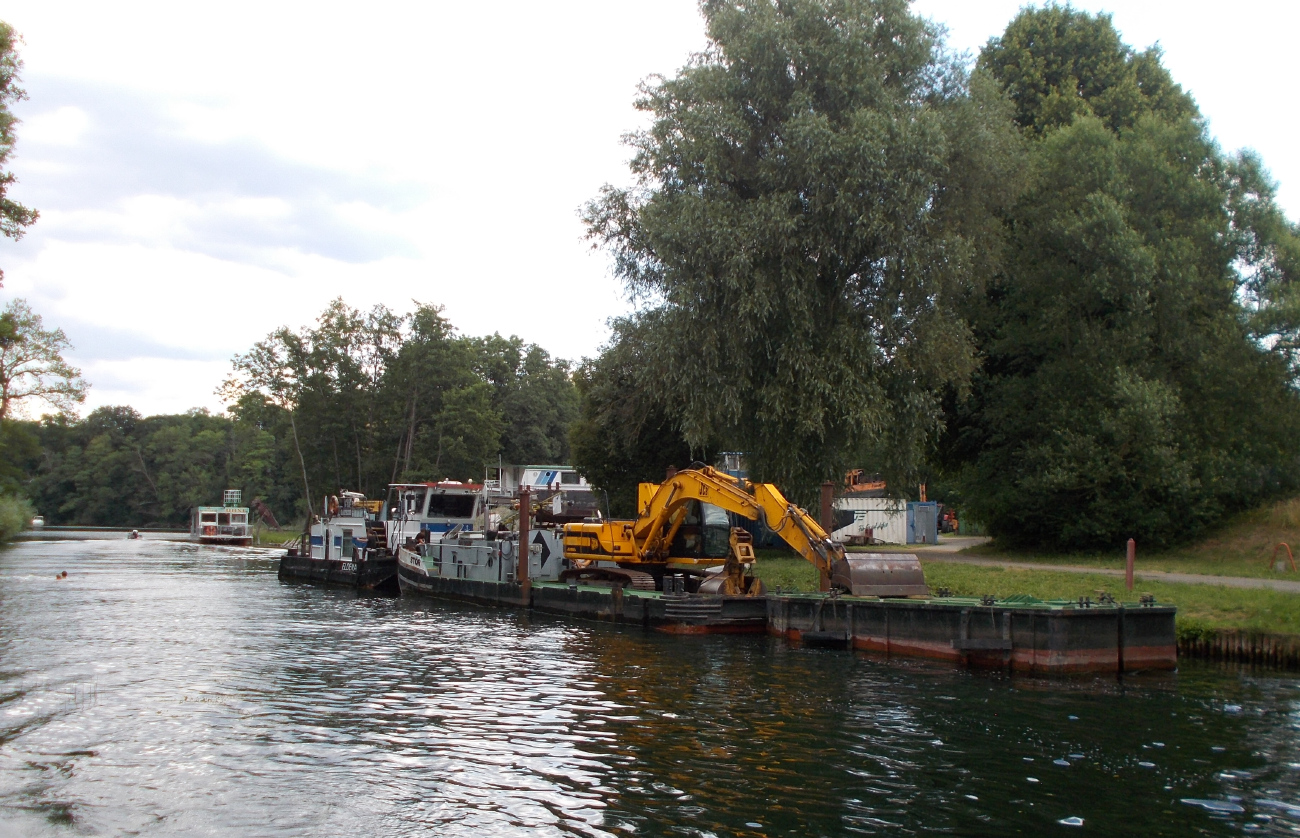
346,545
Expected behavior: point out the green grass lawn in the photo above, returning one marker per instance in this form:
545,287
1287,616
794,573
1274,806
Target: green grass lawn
1242,547
1200,607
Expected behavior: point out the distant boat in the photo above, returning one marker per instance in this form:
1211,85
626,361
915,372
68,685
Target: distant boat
38,522
226,524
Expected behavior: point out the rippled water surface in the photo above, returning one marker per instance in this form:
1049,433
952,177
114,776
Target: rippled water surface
168,689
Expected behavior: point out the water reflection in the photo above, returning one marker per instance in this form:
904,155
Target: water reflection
166,688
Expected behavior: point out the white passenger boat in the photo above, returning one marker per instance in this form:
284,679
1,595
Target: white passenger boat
226,524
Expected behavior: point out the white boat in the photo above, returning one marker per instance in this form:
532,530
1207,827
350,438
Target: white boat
226,524
38,522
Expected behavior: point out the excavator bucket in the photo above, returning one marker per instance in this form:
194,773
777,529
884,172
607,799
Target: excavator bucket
879,574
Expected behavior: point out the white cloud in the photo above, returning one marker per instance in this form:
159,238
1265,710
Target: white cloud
62,127
154,385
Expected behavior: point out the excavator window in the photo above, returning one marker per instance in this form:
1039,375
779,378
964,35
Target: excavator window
705,532
717,532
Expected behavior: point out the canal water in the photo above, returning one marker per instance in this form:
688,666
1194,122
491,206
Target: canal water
163,688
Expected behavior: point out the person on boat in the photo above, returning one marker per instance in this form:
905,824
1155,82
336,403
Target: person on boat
422,537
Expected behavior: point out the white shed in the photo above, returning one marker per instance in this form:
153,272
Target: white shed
883,519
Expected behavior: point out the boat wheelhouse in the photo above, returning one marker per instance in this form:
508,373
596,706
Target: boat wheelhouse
562,494
344,529
226,524
433,508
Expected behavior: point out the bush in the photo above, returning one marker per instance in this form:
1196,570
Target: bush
15,516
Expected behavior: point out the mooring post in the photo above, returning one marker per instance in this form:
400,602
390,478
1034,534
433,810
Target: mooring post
521,573
1128,563
828,523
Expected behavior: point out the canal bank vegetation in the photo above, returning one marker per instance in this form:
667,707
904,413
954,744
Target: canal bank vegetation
15,515
1036,284
1252,543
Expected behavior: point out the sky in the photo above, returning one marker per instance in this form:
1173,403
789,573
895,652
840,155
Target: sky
208,172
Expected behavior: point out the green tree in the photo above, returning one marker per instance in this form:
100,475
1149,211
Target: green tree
1057,63
432,361
623,435
810,204
14,217
535,395
32,365
1125,390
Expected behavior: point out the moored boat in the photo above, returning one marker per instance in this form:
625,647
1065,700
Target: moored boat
346,545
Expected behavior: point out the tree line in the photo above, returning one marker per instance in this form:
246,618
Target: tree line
355,401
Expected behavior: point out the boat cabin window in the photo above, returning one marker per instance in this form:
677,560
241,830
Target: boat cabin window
208,517
414,502
223,518
238,518
451,506
570,478
347,544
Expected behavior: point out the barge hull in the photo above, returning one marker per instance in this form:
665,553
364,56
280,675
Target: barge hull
1058,640
376,574
1042,638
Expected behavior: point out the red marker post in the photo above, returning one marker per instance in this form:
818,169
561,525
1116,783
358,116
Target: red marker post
1128,563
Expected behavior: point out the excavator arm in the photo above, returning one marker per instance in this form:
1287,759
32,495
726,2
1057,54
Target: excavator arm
662,514
648,540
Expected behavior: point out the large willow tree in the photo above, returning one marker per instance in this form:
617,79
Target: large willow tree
810,201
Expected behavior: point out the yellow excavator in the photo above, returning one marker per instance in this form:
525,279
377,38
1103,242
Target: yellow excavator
682,540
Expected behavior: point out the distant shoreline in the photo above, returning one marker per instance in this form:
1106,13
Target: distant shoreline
69,528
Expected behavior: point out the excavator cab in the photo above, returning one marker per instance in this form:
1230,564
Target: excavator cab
705,533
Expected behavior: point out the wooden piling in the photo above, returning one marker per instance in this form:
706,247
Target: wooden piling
1279,651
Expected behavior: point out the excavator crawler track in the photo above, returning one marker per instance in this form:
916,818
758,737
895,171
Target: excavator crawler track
634,579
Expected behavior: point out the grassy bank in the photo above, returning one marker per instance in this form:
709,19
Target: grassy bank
274,538
1242,547
1201,608
15,516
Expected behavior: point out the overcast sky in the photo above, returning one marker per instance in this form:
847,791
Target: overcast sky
208,172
